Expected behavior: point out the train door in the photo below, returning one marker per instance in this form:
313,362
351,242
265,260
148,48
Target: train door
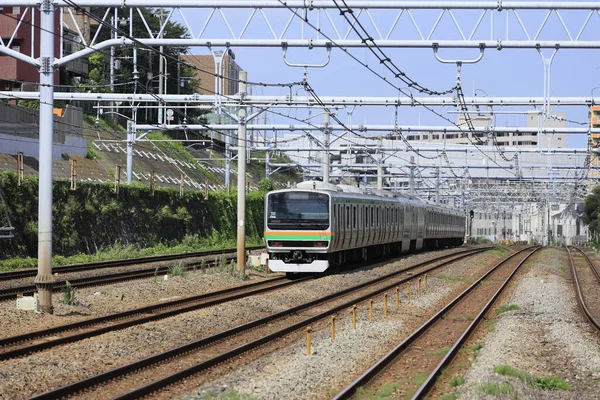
406,229
371,219
338,226
354,242
420,227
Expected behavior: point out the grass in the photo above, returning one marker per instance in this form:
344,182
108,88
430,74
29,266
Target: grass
383,392
69,294
497,389
537,382
419,379
449,396
484,282
506,307
177,269
476,347
455,278
456,381
439,352
229,395
473,349
463,318
189,244
499,251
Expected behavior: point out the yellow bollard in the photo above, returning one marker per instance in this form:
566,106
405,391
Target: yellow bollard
333,327
385,305
397,298
419,287
371,310
308,335
353,317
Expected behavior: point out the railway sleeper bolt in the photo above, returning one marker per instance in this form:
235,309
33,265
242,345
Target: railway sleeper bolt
370,310
419,287
333,327
397,298
308,337
385,296
354,317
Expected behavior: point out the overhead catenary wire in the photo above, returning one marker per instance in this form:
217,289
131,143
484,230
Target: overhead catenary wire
384,79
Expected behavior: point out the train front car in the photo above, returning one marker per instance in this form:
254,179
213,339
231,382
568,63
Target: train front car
297,230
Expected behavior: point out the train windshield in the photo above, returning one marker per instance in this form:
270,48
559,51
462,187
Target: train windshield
298,210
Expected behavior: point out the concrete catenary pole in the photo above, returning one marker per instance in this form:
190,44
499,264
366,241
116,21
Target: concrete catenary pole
380,165
411,183
161,69
241,179
437,187
326,162
130,141
44,280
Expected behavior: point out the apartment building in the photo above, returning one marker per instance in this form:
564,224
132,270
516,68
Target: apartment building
15,74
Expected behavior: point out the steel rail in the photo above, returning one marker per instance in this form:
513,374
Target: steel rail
430,381
27,272
383,362
580,298
145,314
98,280
178,351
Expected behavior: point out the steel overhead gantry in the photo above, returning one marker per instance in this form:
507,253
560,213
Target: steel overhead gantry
372,128
290,25
305,101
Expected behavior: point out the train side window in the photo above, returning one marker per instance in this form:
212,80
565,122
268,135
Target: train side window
354,216
372,217
366,216
347,217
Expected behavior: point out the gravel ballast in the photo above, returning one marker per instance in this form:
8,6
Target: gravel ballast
91,356
548,336
291,374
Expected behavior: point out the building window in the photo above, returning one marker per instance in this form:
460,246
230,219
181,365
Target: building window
16,10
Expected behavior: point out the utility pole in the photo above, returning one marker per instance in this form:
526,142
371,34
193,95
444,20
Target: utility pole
326,131
241,178
44,280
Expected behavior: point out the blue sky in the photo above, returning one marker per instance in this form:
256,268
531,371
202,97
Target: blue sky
509,72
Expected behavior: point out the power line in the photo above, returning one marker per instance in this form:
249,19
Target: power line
383,58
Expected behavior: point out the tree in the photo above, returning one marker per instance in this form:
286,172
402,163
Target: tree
147,64
591,212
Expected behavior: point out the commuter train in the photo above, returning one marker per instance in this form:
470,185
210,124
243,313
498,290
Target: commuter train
316,226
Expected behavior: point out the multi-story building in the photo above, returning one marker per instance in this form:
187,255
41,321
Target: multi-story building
595,123
228,70
16,74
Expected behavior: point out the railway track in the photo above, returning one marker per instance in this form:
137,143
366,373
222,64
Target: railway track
591,300
31,272
21,345
448,329
156,371
98,280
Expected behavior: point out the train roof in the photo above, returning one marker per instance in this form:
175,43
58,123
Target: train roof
350,191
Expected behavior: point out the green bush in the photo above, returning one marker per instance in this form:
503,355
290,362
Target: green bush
93,219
